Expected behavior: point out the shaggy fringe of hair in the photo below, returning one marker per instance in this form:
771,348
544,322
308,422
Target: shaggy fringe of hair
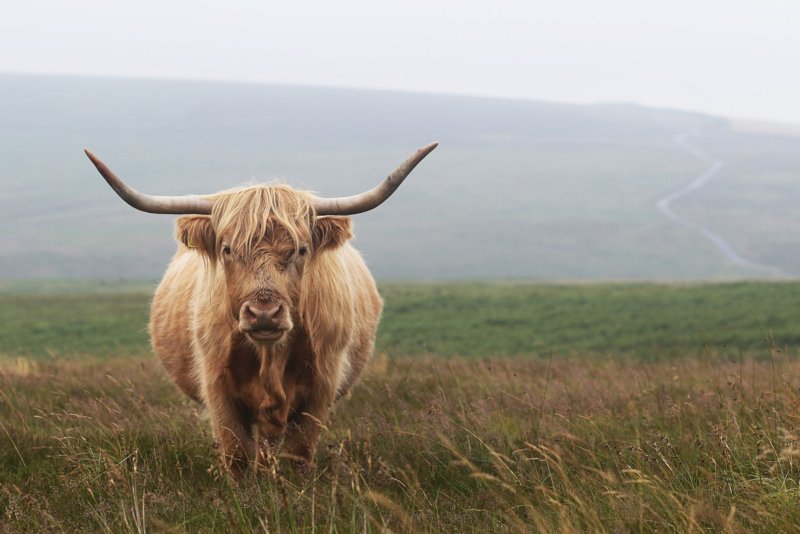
245,214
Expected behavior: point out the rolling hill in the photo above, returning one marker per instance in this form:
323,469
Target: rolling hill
517,189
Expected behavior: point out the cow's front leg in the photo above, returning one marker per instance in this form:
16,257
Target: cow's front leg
307,423
273,414
271,423
277,396
230,425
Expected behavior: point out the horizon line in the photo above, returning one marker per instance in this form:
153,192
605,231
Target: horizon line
746,123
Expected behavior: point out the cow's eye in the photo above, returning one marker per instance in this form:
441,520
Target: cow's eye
226,249
302,251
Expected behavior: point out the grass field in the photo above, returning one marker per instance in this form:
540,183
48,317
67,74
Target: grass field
639,408
642,321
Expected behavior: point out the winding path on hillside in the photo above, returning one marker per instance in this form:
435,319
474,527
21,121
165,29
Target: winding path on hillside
664,205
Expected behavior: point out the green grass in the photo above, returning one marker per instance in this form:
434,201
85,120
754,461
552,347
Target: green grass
646,321
662,408
58,324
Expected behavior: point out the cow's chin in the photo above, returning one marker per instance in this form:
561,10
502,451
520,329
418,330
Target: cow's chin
266,337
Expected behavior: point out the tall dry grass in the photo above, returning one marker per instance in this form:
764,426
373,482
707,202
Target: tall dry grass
701,444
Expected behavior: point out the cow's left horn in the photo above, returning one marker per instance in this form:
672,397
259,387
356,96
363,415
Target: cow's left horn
178,205
374,197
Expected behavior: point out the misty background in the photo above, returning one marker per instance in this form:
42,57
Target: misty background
578,141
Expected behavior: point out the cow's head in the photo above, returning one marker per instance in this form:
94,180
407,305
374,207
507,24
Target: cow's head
263,238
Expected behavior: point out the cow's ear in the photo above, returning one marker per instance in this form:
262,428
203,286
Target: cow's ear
331,232
196,232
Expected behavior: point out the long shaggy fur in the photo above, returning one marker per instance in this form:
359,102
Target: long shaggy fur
259,395
248,214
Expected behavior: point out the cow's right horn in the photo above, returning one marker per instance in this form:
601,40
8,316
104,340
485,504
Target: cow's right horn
178,205
374,197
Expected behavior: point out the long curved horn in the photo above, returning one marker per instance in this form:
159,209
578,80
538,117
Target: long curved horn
374,197
178,205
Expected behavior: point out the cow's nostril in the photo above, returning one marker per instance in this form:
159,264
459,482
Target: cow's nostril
248,313
275,311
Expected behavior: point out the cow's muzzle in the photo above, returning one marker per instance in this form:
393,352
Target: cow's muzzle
264,322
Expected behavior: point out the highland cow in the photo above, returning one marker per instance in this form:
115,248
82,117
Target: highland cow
266,314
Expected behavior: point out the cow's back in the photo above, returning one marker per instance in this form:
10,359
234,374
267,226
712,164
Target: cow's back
170,320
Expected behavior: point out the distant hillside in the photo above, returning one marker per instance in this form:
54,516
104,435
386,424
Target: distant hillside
517,189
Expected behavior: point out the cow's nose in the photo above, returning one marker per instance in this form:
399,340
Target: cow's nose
262,315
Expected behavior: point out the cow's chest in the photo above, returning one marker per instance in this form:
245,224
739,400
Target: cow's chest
271,385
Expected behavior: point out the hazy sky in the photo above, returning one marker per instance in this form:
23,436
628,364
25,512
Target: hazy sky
731,57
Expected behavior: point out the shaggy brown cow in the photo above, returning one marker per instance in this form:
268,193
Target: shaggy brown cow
266,314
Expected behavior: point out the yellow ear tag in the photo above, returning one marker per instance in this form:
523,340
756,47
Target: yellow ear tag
192,244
